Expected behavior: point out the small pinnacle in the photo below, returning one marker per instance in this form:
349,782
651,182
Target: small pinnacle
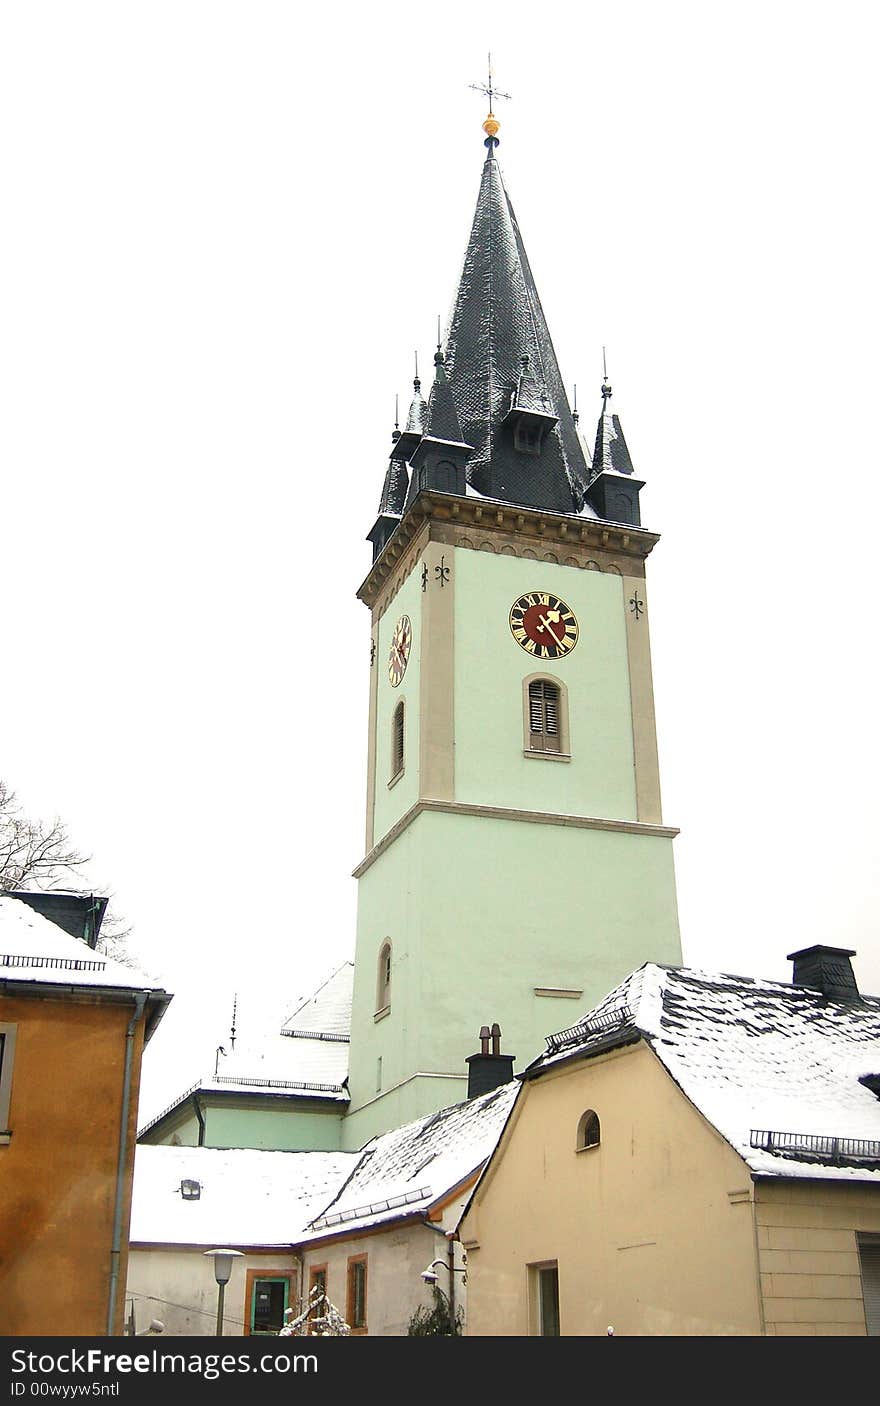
574,413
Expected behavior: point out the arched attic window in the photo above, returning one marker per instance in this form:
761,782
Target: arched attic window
588,1133
383,978
545,718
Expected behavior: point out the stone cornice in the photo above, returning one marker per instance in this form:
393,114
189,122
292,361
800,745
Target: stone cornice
534,817
491,519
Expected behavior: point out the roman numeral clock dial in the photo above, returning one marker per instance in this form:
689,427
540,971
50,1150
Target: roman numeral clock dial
398,655
543,625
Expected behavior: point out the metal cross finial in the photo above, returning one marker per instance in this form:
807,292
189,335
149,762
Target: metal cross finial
487,88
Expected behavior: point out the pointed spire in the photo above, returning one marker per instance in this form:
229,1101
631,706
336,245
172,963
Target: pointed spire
393,497
497,320
610,453
415,421
442,420
440,458
614,489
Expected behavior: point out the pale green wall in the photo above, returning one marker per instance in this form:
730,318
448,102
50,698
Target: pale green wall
490,768
480,911
392,804
281,1130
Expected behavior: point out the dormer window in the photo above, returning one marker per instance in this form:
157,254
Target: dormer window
527,436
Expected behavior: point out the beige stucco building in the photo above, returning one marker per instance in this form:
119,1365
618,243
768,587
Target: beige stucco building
699,1156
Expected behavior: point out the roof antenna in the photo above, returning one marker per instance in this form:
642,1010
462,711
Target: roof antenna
491,124
574,413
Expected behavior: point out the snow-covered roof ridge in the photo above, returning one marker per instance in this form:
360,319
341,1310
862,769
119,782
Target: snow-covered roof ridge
774,1067
407,1170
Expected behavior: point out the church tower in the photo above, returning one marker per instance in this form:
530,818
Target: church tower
516,863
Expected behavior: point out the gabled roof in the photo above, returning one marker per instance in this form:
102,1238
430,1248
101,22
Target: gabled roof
245,1197
36,954
774,1068
497,322
409,1170
258,1198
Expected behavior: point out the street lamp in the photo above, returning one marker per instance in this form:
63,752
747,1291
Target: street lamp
430,1277
222,1270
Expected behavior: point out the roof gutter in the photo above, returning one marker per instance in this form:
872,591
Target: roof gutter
140,1002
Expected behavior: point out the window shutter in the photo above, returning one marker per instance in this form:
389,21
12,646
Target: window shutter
869,1254
397,758
543,716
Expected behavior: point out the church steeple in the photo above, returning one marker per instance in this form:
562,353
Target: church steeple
497,333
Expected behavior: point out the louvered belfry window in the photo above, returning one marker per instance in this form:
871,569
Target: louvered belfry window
544,716
397,742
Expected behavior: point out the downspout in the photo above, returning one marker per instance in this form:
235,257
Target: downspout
451,1253
140,1002
200,1117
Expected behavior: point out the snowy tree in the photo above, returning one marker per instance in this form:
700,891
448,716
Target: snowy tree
39,854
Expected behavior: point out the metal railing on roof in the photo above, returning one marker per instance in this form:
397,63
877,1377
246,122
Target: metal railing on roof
596,1025
375,1208
69,964
853,1149
316,1035
276,1083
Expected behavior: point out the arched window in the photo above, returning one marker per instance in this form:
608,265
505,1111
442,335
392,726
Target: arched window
397,740
588,1130
545,718
383,978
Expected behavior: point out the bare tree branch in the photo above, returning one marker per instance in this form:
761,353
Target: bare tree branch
39,855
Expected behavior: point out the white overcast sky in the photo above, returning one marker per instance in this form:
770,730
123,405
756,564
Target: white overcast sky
225,229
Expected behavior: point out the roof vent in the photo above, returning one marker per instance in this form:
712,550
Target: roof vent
826,969
488,1069
190,1190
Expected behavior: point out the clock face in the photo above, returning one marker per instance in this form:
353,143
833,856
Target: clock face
398,656
543,625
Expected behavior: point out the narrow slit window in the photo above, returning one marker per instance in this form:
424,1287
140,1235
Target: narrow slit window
397,741
544,729
383,982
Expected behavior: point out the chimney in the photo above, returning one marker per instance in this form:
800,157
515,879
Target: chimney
488,1069
826,969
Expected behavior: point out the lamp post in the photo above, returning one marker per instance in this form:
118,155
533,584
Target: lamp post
222,1270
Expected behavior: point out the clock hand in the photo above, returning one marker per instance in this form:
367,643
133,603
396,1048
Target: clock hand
545,623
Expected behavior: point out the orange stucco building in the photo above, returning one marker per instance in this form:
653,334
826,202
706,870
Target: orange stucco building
73,1025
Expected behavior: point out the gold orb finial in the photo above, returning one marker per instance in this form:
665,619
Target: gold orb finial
491,125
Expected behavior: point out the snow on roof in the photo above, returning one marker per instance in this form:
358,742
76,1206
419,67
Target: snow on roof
245,1197
35,950
754,1057
307,1058
405,1171
328,1011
